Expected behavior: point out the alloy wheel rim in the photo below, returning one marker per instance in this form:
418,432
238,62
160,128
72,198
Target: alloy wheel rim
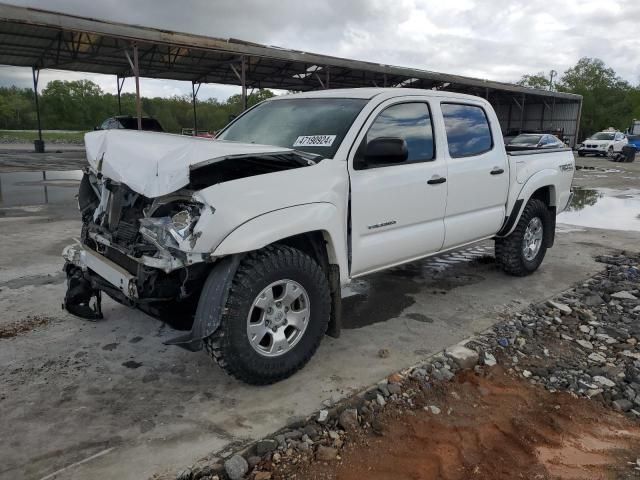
278,318
532,240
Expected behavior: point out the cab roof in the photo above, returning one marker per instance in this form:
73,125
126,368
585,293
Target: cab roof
368,93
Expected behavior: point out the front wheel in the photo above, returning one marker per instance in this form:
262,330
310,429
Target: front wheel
277,312
522,252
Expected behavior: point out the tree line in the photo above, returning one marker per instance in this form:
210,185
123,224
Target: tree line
609,101
82,105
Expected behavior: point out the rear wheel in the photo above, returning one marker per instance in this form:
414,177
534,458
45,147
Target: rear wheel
522,252
277,312
581,154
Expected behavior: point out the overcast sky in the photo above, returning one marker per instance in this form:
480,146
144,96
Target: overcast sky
497,39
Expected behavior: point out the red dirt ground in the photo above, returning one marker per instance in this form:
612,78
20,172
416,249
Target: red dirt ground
492,427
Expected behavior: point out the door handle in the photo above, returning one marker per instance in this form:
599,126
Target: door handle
497,171
436,179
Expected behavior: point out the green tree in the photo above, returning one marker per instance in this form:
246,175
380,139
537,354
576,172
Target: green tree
234,103
538,80
608,100
77,104
16,108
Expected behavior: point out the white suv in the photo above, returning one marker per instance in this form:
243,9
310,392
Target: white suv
603,143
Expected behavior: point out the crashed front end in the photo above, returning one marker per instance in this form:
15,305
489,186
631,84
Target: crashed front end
138,250
148,230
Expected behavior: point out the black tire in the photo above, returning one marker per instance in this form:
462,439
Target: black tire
229,345
509,253
610,152
581,154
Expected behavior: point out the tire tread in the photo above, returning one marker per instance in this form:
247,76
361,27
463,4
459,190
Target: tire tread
509,249
256,265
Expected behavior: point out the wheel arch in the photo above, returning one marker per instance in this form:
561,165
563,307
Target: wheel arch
306,227
315,229
542,188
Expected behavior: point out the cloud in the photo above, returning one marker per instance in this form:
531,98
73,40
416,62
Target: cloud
498,40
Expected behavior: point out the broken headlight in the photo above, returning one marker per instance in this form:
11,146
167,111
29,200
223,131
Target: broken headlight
169,231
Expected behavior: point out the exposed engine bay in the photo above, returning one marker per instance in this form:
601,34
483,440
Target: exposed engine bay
139,235
149,245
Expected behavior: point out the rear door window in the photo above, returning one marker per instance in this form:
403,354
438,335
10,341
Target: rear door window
468,131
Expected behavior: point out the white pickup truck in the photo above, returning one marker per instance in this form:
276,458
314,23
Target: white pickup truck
248,238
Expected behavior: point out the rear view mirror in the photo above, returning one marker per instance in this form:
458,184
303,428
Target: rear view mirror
386,150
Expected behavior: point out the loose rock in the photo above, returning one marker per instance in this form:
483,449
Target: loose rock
604,381
464,357
622,405
624,296
323,415
489,359
349,419
266,446
585,344
236,467
565,309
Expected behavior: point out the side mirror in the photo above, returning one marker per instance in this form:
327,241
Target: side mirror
96,128
385,151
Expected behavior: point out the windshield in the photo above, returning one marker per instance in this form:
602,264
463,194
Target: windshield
602,136
149,124
526,140
314,125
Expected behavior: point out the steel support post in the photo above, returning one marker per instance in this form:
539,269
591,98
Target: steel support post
38,144
522,114
120,84
137,72
243,81
577,130
194,97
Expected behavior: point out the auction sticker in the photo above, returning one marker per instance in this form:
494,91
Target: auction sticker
314,141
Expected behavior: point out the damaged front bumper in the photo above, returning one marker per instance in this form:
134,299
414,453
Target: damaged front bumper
88,273
116,275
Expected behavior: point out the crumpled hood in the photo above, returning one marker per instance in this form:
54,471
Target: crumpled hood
156,164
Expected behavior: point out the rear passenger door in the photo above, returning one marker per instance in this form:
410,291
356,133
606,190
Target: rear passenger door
478,177
397,210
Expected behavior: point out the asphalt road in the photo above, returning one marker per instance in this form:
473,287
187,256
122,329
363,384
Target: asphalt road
108,400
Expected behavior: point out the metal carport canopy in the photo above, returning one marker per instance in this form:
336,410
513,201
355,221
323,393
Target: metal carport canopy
43,39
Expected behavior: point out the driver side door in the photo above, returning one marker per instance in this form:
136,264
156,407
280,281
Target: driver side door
397,210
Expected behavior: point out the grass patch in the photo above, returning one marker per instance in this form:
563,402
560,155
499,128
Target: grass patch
49,136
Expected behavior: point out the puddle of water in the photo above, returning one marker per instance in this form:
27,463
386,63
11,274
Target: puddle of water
601,209
385,295
37,188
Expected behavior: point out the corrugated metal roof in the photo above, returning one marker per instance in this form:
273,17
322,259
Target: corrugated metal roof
43,39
